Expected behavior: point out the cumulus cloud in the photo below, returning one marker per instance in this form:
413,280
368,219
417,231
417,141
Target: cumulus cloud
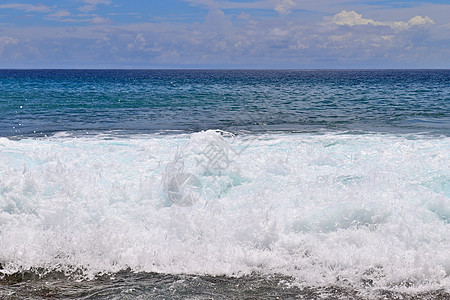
358,38
144,52
352,18
6,41
139,43
284,6
278,32
217,21
416,21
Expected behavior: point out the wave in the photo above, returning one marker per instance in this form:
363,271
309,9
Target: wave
362,211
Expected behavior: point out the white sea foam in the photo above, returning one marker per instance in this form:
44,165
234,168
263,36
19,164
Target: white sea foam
357,210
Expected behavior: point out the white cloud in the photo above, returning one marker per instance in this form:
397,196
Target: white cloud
92,5
284,6
278,32
87,8
340,37
351,18
6,41
59,14
208,3
97,2
27,7
243,16
217,22
168,56
138,44
100,20
416,21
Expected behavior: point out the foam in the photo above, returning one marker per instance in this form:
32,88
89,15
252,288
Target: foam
330,209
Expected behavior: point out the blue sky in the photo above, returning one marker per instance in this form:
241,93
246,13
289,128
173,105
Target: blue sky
300,34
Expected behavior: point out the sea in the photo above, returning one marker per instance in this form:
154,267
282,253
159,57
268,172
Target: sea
224,184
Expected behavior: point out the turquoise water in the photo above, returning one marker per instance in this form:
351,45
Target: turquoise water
224,184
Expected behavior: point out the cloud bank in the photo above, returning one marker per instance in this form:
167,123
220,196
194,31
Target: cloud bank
352,18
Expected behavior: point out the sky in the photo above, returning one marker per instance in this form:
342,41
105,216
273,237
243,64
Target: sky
230,34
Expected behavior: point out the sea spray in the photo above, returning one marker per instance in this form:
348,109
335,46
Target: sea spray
360,211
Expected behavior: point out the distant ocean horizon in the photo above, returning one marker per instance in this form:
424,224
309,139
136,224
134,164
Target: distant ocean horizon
194,183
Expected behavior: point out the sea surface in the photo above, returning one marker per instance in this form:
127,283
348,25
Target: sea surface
225,184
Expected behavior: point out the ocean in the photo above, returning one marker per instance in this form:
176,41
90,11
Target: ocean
225,184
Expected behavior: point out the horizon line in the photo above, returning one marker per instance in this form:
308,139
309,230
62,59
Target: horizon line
224,69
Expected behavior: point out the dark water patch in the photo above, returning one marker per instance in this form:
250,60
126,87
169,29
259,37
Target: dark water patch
130,285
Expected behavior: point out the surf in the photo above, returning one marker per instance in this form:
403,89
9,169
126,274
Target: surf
336,209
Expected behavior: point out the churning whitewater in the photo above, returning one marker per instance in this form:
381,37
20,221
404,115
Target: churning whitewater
331,209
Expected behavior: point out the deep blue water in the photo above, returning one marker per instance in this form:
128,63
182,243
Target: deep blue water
39,102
